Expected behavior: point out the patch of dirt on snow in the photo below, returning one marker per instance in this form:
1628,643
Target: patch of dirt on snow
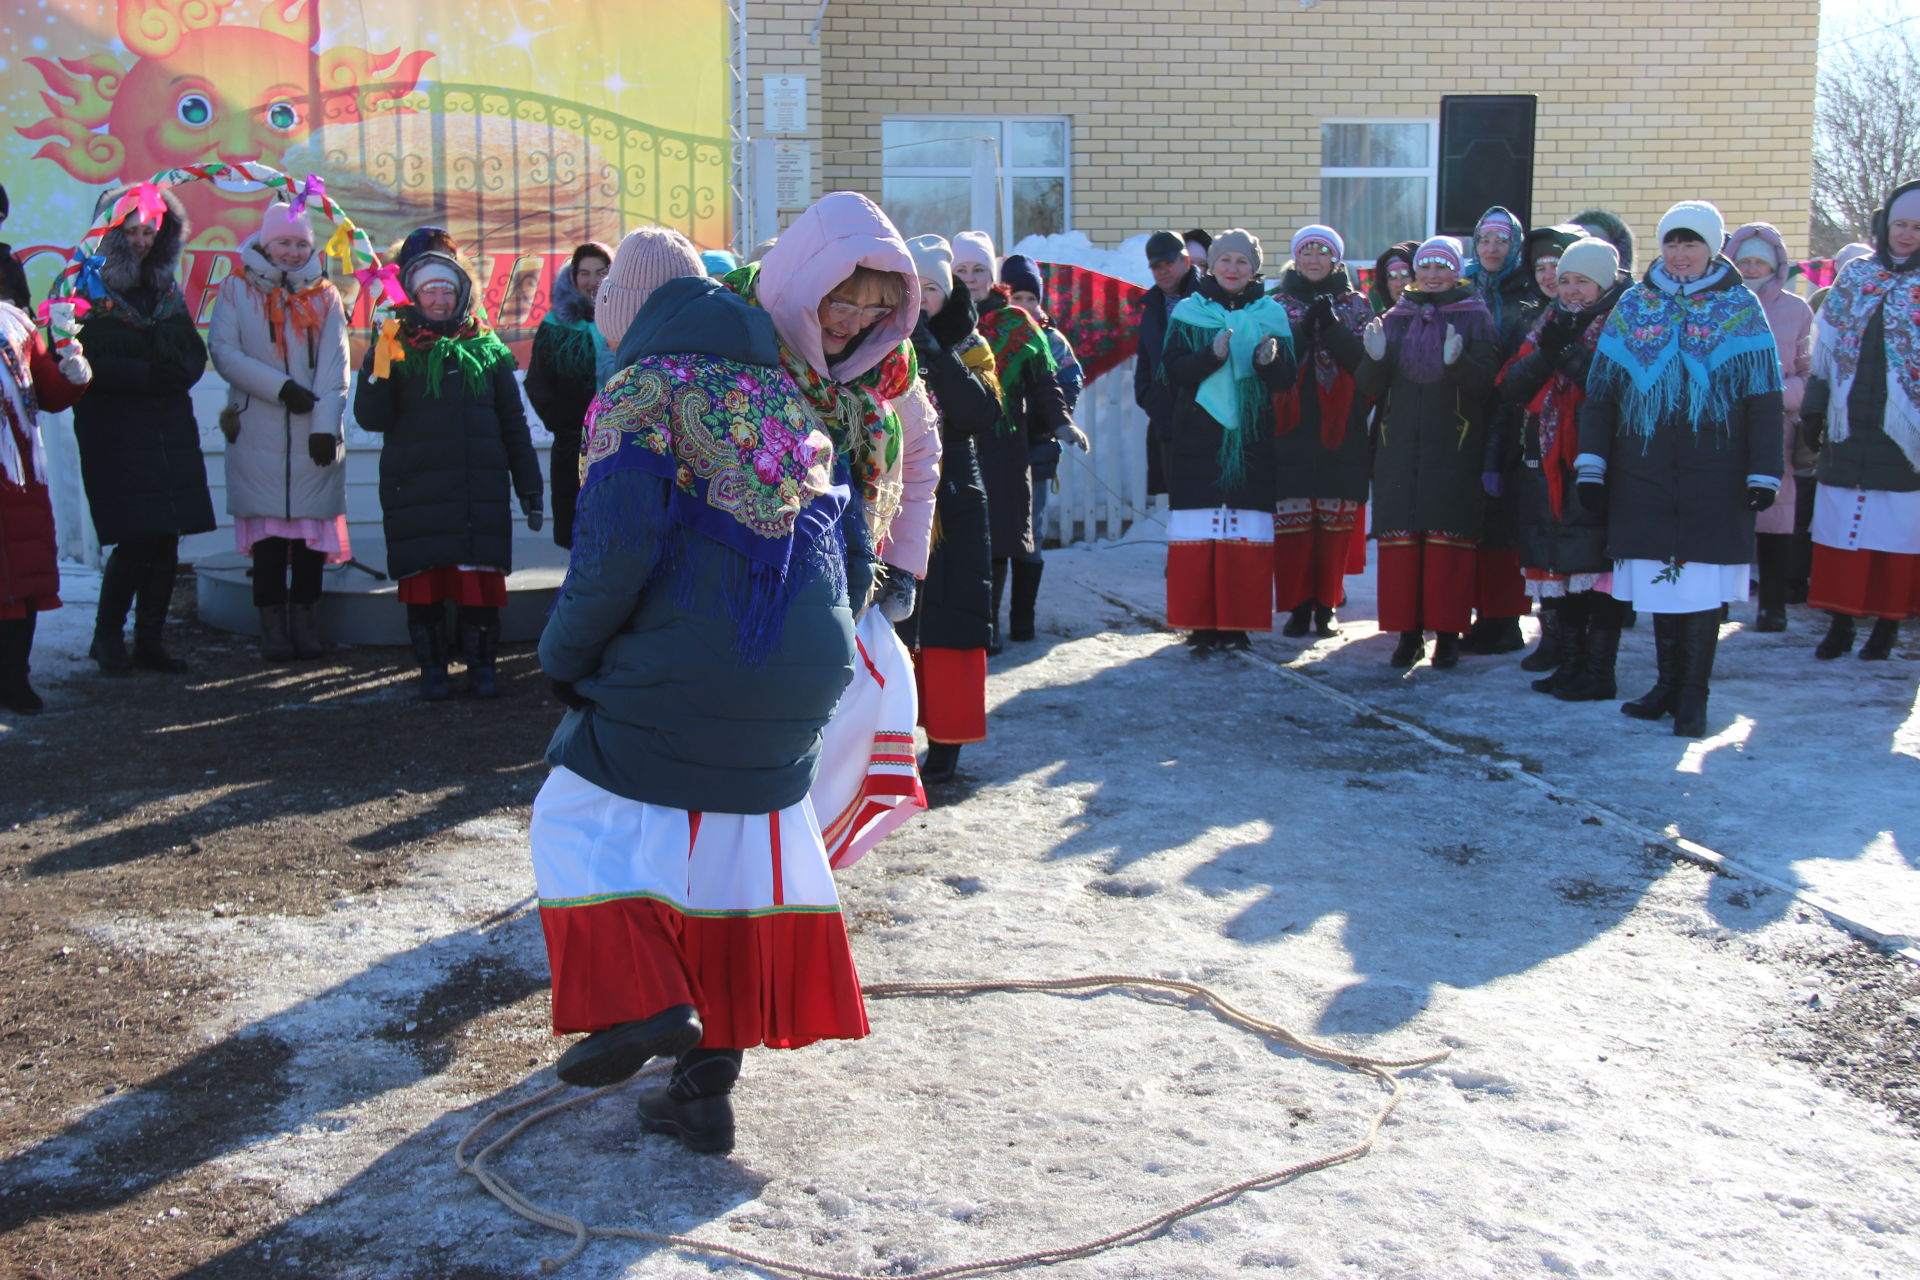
1860,1031
239,789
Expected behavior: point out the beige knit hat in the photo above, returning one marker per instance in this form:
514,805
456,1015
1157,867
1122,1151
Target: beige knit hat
933,259
1236,240
645,260
1592,257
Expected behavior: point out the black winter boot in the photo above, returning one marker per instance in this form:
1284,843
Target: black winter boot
150,617
16,649
942,762
1879,645
480,640
118,582
1699,639
1446,649
1549,653
1323,623
696,1105
1593,680
1658,701
1407,652
1570,630
994,643
1838,642
1298,621
430,651
303,623
1026,592
276,643
1774,556
610,1056
1499,635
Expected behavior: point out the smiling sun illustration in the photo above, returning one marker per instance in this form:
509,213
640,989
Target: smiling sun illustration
200,91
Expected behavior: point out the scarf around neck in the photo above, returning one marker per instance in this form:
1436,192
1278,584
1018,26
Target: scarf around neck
1839,329
745,467
473,349
1684,349
1419,323
1321,374
1233,394
1556,406
1019,345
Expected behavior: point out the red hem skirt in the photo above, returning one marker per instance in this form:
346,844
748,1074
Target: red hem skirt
869,780
1865,584
1220,570
475,588
1500,585
646,907
1315,548
953,694
1426,582
13,611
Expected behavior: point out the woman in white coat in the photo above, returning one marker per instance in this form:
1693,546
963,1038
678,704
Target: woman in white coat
279,338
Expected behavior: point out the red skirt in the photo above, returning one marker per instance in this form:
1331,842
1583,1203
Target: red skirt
1865,584
1313,552
1500,586
1427,582
953,694
13,611
475,588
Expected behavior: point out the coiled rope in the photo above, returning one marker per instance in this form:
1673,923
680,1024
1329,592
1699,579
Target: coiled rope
1382,1069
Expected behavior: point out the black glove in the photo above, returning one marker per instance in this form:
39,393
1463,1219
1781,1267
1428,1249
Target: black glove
563,692
530,508
1813,430
322,447
1573,360
1320,316
1759,499
170,378
1557,332
1593,495
297,398
954,321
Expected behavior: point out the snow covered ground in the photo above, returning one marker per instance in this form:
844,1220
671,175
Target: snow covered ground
1616,1102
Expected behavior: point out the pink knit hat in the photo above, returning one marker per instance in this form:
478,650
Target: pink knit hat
281,222
645,260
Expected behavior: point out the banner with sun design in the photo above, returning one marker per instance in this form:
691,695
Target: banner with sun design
523,127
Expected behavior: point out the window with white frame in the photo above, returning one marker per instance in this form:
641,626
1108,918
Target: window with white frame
927,172
1377,182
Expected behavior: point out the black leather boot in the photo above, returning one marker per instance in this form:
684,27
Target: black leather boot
1298,621
696,1105
1699,640
1879,645
1323,623
1026,593
1549,653
610,1056
942,762
430,651
1838,642
1658,701
1446,649
1499,635
480,639
1407,652
16,648
1773,553
1599,649
118,582
150,617
1570,633
994,643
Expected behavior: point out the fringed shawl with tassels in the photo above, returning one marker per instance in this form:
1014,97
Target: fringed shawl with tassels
744,467
1320,374
1233,394
1841,327
1679,352
473,350
1019,345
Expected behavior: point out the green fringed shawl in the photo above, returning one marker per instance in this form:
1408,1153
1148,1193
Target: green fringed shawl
1233,394
1018,343
474,354
576,346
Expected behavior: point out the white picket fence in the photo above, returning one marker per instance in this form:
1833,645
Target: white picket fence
1102,494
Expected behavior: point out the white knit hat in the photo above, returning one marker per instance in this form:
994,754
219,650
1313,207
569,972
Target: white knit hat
1699,217
1592,257
1317,234
1446,248
976,246
645,260
1757,247
933,261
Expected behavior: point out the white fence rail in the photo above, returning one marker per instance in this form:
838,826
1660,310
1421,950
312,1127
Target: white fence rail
1102,494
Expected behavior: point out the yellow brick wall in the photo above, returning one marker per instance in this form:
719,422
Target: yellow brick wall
1210,115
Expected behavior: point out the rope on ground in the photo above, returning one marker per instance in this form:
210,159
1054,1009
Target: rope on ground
1382,1069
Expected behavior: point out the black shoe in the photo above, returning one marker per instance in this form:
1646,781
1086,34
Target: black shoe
610,1056
1879,645
1408,651
1500,635
1770,620
1230,641
1204,642
700,1124
1446,649
942,762
1658,701
109,649
1838,641
1298,621
151,655
1323,624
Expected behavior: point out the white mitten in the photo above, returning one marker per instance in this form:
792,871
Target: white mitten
74,367
1375,339
1451,348
1073,435
1267,352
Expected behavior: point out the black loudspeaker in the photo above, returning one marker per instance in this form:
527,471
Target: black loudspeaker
1486,159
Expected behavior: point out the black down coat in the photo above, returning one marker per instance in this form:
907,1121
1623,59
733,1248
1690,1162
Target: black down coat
139,445
1304,466
955,609
1681,493
1575,541
1194,481
450,465
1033,409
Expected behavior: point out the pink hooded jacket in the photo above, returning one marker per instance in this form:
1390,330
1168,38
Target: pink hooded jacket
843,230
1792,322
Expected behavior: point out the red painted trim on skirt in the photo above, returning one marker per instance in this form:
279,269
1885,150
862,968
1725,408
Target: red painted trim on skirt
1865,584
475,588
1220,586
953,694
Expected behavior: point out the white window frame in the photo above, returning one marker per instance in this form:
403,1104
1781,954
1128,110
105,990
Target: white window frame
1004,172
1431,173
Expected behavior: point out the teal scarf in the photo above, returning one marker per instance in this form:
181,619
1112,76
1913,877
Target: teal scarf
1233,394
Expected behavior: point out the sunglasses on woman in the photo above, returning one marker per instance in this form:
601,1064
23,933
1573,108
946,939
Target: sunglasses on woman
839,310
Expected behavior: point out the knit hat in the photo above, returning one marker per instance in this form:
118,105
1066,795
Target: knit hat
282,223
1757,247
1905,205
718,261
645,260
1236,240
1592,257
1850,253
1021,274
1497,221
425,240
975,246
1699,217
432,268
933,261
1440,249
1317,234
1164,246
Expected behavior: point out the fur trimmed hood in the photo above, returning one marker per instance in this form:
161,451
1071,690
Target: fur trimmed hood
123,270
566,303
1782,264
1608,226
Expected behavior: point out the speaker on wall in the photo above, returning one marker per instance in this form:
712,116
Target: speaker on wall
1486,158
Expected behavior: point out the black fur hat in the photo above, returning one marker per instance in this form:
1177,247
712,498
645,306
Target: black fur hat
123,270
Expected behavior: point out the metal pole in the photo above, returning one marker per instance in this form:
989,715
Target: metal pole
743,231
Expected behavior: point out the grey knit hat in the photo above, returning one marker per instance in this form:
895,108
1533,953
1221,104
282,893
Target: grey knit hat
1236,239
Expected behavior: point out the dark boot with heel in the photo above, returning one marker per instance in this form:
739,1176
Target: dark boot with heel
695,1107
1658,701
119,582
1408,651
1549,653
1026,596
1699,641
1838,642
1880,640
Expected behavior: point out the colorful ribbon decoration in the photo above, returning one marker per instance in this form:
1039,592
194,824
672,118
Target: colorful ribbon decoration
387,279
61,316
315,187
387,349
144,199
340,245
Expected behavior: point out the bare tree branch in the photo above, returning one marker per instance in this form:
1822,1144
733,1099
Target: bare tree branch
1866,136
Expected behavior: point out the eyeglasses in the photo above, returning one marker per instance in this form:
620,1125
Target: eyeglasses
838,310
